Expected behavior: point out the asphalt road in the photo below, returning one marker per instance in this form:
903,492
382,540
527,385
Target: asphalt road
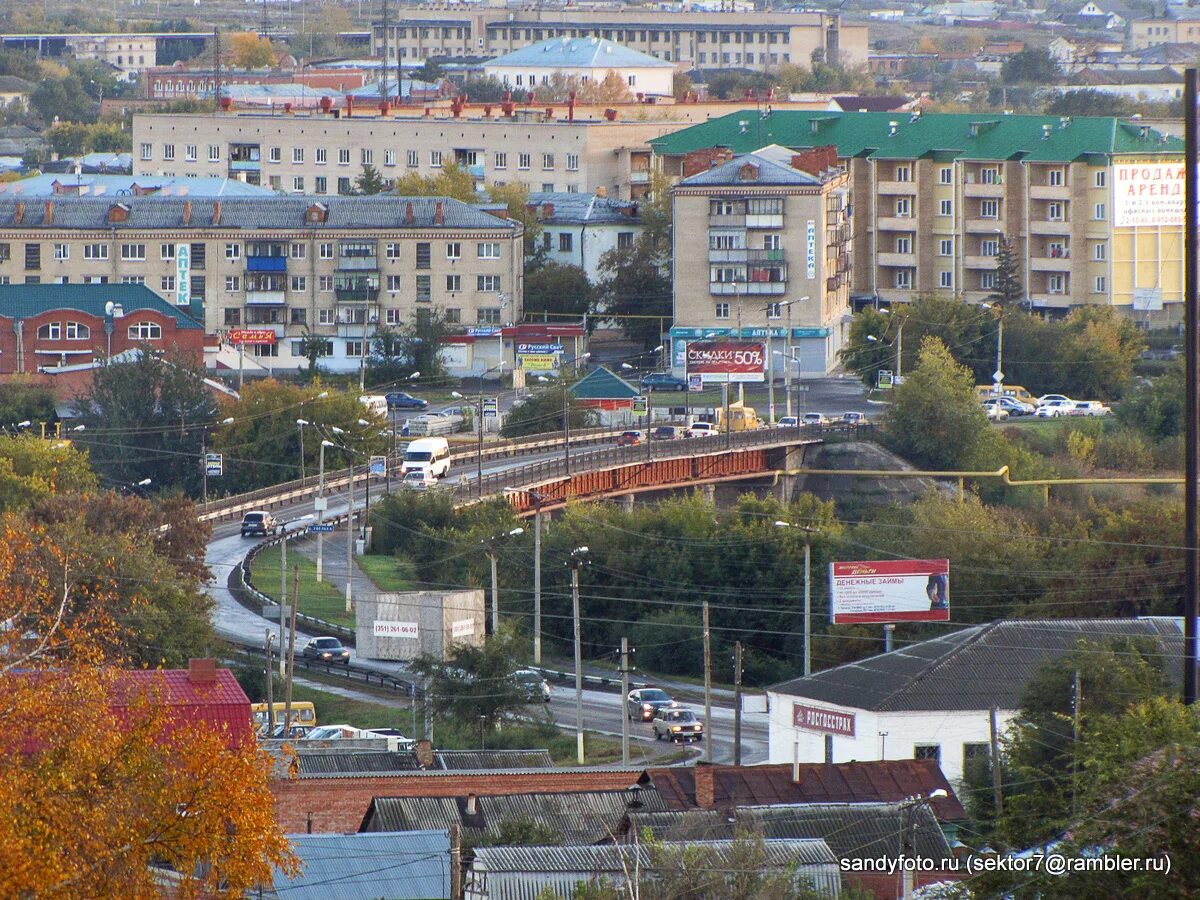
601,710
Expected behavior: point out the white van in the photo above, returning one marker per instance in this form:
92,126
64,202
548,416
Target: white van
431,455
376,405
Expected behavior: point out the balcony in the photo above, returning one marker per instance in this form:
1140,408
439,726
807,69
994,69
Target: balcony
357,327
744,255
896,223
356,288
906,260
986,226
893,188
265,298
1054,300
266,264
979,262
994,191
767,220
1049,192
1058,226
737,220
640,177
746,289
1060,263
244,165
358,263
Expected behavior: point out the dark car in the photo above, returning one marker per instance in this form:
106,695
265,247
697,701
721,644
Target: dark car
259,522
664,433
644,703
629,438
677,725
405,400
662,381
532,685
327,649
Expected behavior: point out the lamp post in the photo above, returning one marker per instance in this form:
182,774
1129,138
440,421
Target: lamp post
204,455
998,375
808,532
537,570
576,562
490,543
320,505
300,424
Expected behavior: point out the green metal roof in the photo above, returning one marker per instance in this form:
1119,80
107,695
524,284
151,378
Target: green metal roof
21,301
601,384
975,136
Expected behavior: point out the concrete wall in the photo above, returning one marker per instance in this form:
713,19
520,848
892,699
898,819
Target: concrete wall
435,614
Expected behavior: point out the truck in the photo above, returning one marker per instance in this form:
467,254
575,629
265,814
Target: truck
741,418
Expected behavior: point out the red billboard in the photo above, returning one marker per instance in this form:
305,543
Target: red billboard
891,590
251,336
827,721
726,360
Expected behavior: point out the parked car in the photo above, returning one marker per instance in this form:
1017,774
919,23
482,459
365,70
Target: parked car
1090,408
326,649
995,412
644,703
405,400
1055,408
662,381
816,419
533,684
664,433
419,480
282,732
854,418
1014,407
333,733
260,522
701,429
1053,398
629,438
677,725
788,422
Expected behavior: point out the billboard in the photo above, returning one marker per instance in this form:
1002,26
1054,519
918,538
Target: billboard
251,336
538,362
1149,193
826,721
183,274
395,629
720,361
893,590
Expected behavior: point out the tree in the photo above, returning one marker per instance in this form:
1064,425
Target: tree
935,419
1008,291
556,288
249,51
313,347
1031,66
67,138
422,340
485,90
389,362
610,89
452,181
370,181
475,684
63,100
1156,407
635,291
32,468
542,412
1097,352
22,401
1089,102
681,85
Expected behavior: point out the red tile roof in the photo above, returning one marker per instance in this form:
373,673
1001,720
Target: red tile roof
858,782
192,695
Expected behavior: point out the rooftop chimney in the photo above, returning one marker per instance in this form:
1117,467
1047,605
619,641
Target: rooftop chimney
19,213
49,214
187,212
703,772
409,218
472,806
202,671
423,751
439,213
216,212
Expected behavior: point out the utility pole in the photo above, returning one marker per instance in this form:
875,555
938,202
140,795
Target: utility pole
807,605
384,65
495,591
270,687
624,695
350,543
283,597
737,703
537,578
576,562
1191,307
1076,700
456,888
997,779
291,654
707,687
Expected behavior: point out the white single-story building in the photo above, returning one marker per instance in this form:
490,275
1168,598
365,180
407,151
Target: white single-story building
932,700
589,59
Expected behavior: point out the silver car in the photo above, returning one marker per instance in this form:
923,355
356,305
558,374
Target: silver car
644,703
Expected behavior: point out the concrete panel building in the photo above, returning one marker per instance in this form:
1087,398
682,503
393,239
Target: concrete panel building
578,229
406,624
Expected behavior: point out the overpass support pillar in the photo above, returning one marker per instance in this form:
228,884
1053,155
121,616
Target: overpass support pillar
710,492
627,503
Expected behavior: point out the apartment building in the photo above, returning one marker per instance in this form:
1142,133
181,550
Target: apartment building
280,267
775,228
578,229
130,54
754,40
1177,25
322,152
1093,206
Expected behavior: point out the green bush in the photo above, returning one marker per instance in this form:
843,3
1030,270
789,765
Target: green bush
1125,450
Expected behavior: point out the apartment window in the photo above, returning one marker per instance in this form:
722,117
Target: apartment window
51,331
903,207
624,240
325,251
298,250
145,331
523,160
1098,213
989,209
325,284
928,751
233,284
564,242
77,331
297,155
321,155
547,160
274,154
165,251
393,283
344,187
501,161
324,316
1101,285
453,283
424,255
1054,212
945,207
904,245
946,247
424,288
774,310
391,251
147,151
320,184
127,279
453,315
972,754
435,159
987,280
490,250
233,317
989,176
1100,252
168,152
33,257
343,156
1101,179
133,252
214,153
945,175
33,279
945,279
392,317
299,284
233,251
903,279
454,250
572,162
989,247
389,157
722,310
1056,178
189,152
62,251
197,286
355,348
367,156
414,159
95,251
299,316
903,173
487,284
488,316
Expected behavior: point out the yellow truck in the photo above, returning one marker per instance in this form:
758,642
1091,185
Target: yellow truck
741,418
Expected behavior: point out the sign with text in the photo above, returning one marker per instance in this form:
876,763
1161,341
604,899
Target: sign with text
1148,194
537,362
463,628
183,274
320,529
214,465
726,360
395,629
892,590
640,406
695,384
826,721
251,336
378,465
538,349
810,253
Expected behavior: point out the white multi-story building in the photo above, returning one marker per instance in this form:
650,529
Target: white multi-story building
578,229
587,60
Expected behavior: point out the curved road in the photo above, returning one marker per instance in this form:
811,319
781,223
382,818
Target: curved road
601,710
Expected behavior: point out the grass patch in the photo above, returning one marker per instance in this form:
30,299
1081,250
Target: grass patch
387,573
320,599
333,709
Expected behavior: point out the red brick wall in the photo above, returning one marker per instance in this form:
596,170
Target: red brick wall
816,160
339,804
702,160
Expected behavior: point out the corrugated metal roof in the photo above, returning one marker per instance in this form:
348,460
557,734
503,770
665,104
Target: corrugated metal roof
975,668
769,166
578,53
354,763
114,186
458,760
852,830
412,865
20,301
583,209
601,384
221,703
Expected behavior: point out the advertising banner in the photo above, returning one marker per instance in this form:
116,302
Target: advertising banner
720,361
378,465
251,336
214,465
183,274
462,628
395,629
1148,194
537,362
538,349
826,721
893,590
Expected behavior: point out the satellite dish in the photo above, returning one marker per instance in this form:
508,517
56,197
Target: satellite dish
108,308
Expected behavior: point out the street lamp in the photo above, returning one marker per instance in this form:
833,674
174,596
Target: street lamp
577,560
301,423
319,505
775,308
808,531
490,543
537,569
998,375
204,454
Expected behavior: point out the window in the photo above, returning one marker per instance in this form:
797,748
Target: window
489,250
414,159
391,251
62,251
989,176
547,160
297,155
168,152
487,284
166,283
145,331
624,240
488,316
424,288
1054,212
322,155
945,175
198,287
147,151
299,316
546,240
367,156
261,350
324,316
165,251
189,152
1098,213
904,173
299,251
972,754
214,153
989,209
774,310
394,282
233,317
501,161
1056,284
325,284
987,280
547,187
453,315
564,242
33,279
297,184
392,317
77,331
233,284
133,252
435,159
299,284
523,160
904,245
97,251
453,283
343,156
424,255
233,251
132,279
1056,178
903,207
946,247
33,257
274,154
928,751
343,186
1101,179
946,279
51,331
945,207
1100,252
903,279
454,250
1101,285
389,157
989,247
325,251
722,310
